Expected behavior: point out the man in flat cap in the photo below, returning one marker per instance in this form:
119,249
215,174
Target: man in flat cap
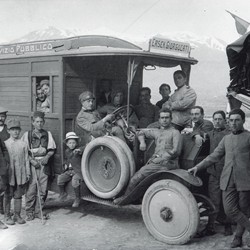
4,135
18,173
89,123
41,148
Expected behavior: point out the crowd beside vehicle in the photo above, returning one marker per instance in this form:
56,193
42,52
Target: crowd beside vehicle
25,162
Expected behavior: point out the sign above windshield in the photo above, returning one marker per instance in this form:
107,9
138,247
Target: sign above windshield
167,46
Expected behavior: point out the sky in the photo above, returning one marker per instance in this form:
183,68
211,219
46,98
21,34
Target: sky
137,19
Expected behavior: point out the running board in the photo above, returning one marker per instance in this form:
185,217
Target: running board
98,200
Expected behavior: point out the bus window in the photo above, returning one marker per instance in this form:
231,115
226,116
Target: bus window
42,89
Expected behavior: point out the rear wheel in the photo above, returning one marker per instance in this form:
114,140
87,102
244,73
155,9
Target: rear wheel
170,212
105,167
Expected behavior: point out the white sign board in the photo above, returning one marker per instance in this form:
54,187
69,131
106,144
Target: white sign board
166,46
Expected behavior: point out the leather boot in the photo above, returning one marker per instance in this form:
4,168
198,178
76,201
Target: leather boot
1,205
77,198
17,211
237,242
7,215
63,195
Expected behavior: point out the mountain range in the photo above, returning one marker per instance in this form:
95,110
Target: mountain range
209,77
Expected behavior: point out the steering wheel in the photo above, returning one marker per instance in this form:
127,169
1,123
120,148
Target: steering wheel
121,114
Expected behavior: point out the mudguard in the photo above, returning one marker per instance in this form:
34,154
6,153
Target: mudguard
180,175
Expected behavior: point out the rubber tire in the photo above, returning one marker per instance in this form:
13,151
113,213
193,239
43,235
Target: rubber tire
128,153
123,160
184,197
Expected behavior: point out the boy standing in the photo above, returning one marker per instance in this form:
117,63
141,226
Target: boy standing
72,166
41,148
18,173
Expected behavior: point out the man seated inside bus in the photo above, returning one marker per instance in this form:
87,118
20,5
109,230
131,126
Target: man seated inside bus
117,101
41,105
105,94
89,123
146,112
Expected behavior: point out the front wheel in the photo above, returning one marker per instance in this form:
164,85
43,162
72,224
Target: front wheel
170,212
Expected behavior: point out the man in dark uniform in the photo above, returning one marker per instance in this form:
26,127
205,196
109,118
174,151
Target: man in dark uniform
4,135
235,176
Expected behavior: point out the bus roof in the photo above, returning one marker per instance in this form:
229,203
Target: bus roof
88,46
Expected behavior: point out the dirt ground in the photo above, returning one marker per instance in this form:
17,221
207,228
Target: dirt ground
94,227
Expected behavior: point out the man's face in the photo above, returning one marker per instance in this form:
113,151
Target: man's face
179,80
38,123
236,122
45,89
118,99
196,115
88,104
71,143
165,92
145,97
14,132
165,119
2,118
40,95
219,121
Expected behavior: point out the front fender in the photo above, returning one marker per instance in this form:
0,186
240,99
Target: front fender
180,175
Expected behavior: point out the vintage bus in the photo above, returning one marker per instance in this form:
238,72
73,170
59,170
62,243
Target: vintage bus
75,64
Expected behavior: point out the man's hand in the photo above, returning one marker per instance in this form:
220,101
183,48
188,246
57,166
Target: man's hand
44,160
35,163
143,146
199,140
108,117
77,151
193,170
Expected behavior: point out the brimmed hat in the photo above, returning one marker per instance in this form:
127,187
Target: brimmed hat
71,135
3,110
86,95
13,124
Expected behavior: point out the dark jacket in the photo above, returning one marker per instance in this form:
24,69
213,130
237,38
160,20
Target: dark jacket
4,159
215,136
74,159
235,148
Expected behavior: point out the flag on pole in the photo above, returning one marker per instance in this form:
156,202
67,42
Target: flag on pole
241,24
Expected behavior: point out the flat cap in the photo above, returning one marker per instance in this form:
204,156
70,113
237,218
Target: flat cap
38,114
13,123
3,110
86,95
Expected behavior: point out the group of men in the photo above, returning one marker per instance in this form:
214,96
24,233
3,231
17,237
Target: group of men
227,165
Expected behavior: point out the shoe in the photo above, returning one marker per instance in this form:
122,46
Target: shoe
1,211
2,225
76,202
9,221
39,216
205,232
228,230
237,242
17,218
30,217
118,200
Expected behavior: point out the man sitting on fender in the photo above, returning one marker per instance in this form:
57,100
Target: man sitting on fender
165,157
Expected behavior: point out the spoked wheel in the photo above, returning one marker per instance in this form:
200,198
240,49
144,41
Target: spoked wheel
170,212
206,206
105,167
